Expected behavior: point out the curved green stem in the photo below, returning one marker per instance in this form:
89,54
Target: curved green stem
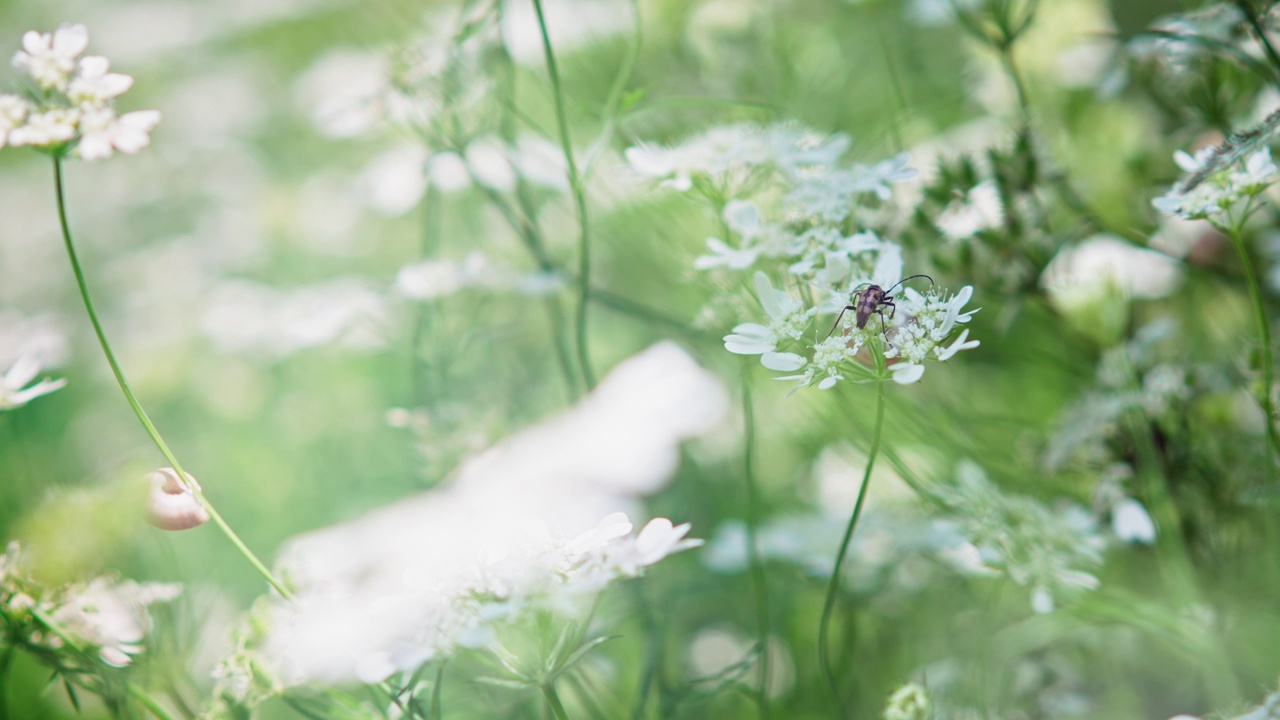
579,200
758,585
150,703
833,585
133,400
1264,333
553,701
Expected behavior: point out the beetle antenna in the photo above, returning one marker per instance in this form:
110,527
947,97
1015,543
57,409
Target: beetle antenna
909,277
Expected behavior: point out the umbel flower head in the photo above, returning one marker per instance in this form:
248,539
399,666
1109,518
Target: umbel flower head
922,327
1215,187
70,108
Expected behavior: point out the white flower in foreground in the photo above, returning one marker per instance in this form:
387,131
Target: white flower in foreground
102,132
14,390
877,178
49,58
46,129
173,504
13,112
533,523
94,85
112,615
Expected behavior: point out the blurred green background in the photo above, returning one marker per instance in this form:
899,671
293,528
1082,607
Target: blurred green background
274,174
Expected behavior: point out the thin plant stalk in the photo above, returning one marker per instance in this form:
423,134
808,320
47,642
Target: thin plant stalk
1264,334
133,399
833,586
579,200
553,701
759,587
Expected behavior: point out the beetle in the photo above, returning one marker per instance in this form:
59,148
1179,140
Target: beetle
871,300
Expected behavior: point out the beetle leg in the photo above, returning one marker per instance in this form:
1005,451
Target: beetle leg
889,301
839,318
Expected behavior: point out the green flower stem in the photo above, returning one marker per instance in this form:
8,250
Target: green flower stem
579,201
553,699
133,400
148,702
1264,333
833,586
759,587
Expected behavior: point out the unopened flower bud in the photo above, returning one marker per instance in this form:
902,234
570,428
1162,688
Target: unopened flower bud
174,505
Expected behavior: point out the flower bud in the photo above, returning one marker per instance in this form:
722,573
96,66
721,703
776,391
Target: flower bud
174,505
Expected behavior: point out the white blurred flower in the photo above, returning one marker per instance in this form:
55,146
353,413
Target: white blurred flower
14,390
173,504
94,85
570,24
1103,262
111,615
878,178
49,58
518,526
976,210
1034,546
245,317
102,132
1131,522
13,112
442,277
340,91
46,129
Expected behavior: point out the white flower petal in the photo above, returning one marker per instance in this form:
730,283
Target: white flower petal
782,362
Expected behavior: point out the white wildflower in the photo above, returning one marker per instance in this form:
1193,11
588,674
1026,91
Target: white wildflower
102,133
1221,190
788,318
13,112
930,321
14,385
1034,546
46,129
49,58
111,615
94,85
878,178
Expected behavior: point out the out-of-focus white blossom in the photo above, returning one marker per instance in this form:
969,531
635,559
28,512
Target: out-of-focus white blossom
432,279
49,58
15,387
909,702
13,112
517,527
173,504
76,106
94,84
46,129
245,317
1131,522
1050,552
102,132
111,615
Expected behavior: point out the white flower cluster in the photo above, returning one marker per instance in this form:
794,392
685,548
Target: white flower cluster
1045,550
923,330
788,202
1214,196
71,105
516,530
106,613
728,160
